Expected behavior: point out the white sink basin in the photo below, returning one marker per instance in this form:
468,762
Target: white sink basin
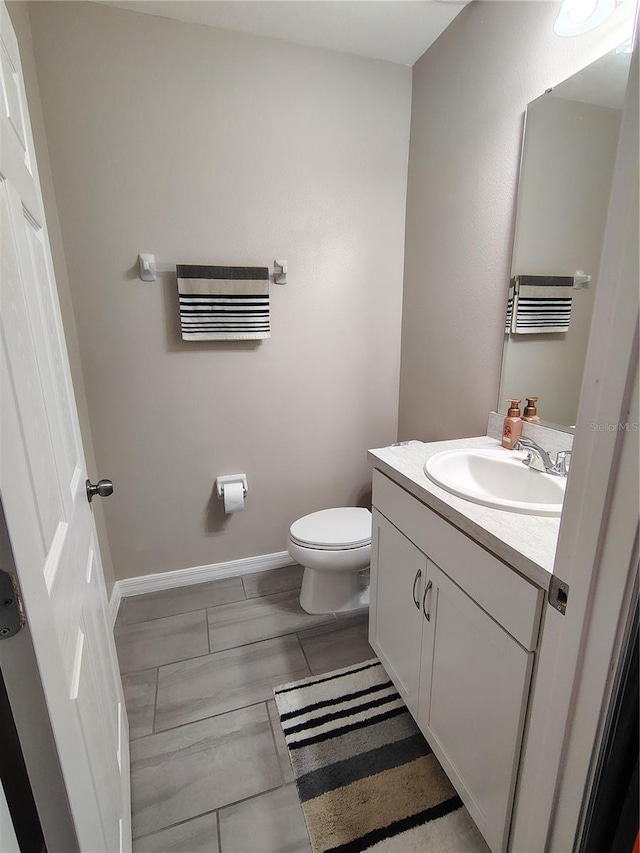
497,478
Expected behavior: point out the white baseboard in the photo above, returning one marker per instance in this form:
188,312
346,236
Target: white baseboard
114,603
198,574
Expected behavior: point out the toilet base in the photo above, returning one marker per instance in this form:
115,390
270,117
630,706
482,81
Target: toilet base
333,592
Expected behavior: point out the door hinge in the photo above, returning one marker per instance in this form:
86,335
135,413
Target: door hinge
558,594
12,617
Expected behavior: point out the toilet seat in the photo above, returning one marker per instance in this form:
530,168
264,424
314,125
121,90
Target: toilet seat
338,529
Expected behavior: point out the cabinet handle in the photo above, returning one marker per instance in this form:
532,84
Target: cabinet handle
424,600
415,581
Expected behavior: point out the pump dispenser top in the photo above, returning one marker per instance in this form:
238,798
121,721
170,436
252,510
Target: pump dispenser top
530,413
512,425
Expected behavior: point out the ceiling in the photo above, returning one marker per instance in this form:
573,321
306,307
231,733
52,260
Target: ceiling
394,30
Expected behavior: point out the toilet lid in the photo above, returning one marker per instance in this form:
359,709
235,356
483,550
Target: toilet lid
344,527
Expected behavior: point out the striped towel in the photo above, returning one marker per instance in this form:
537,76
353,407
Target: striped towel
542,304
223,303
510,298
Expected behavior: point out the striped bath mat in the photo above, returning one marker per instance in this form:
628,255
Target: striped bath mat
366,777
223,303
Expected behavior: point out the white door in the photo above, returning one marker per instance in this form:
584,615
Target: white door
42,481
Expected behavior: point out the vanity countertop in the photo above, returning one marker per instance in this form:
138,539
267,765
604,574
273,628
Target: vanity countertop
525,542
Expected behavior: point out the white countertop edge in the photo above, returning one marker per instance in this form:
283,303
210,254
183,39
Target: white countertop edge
525,542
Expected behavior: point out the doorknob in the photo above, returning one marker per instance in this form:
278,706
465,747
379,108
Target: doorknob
103,488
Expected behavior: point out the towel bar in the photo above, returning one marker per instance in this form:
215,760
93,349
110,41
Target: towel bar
149,269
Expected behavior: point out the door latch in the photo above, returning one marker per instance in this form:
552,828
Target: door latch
12,617
558,594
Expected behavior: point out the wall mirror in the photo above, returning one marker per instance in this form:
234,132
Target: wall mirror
569,148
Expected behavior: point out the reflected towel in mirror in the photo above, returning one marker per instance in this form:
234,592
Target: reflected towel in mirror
542,304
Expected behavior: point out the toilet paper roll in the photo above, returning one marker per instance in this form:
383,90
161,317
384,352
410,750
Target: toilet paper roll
233,497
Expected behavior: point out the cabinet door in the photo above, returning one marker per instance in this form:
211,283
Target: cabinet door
474,683
398,570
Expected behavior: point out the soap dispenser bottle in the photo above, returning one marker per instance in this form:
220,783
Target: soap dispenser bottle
512,425
530,414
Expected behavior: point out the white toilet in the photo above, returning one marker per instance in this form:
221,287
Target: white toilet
334,546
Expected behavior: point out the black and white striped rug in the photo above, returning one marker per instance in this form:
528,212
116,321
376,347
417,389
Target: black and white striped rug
366,777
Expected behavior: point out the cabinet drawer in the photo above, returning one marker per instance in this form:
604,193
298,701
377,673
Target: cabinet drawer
510,599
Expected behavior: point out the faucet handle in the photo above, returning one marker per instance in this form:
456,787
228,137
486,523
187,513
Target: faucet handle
563,463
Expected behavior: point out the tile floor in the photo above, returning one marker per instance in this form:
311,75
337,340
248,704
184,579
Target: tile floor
209,768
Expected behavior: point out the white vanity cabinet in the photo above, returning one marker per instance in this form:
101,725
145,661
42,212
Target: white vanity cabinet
398,629
456,630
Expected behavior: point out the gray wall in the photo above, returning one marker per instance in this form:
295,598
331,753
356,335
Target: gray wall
470,90
206,146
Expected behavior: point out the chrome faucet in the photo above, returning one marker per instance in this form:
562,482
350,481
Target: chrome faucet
539,460
563,463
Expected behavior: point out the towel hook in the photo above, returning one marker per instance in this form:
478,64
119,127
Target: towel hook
280,272
147,265
580,278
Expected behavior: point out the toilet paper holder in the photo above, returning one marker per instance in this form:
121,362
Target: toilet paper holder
226,479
